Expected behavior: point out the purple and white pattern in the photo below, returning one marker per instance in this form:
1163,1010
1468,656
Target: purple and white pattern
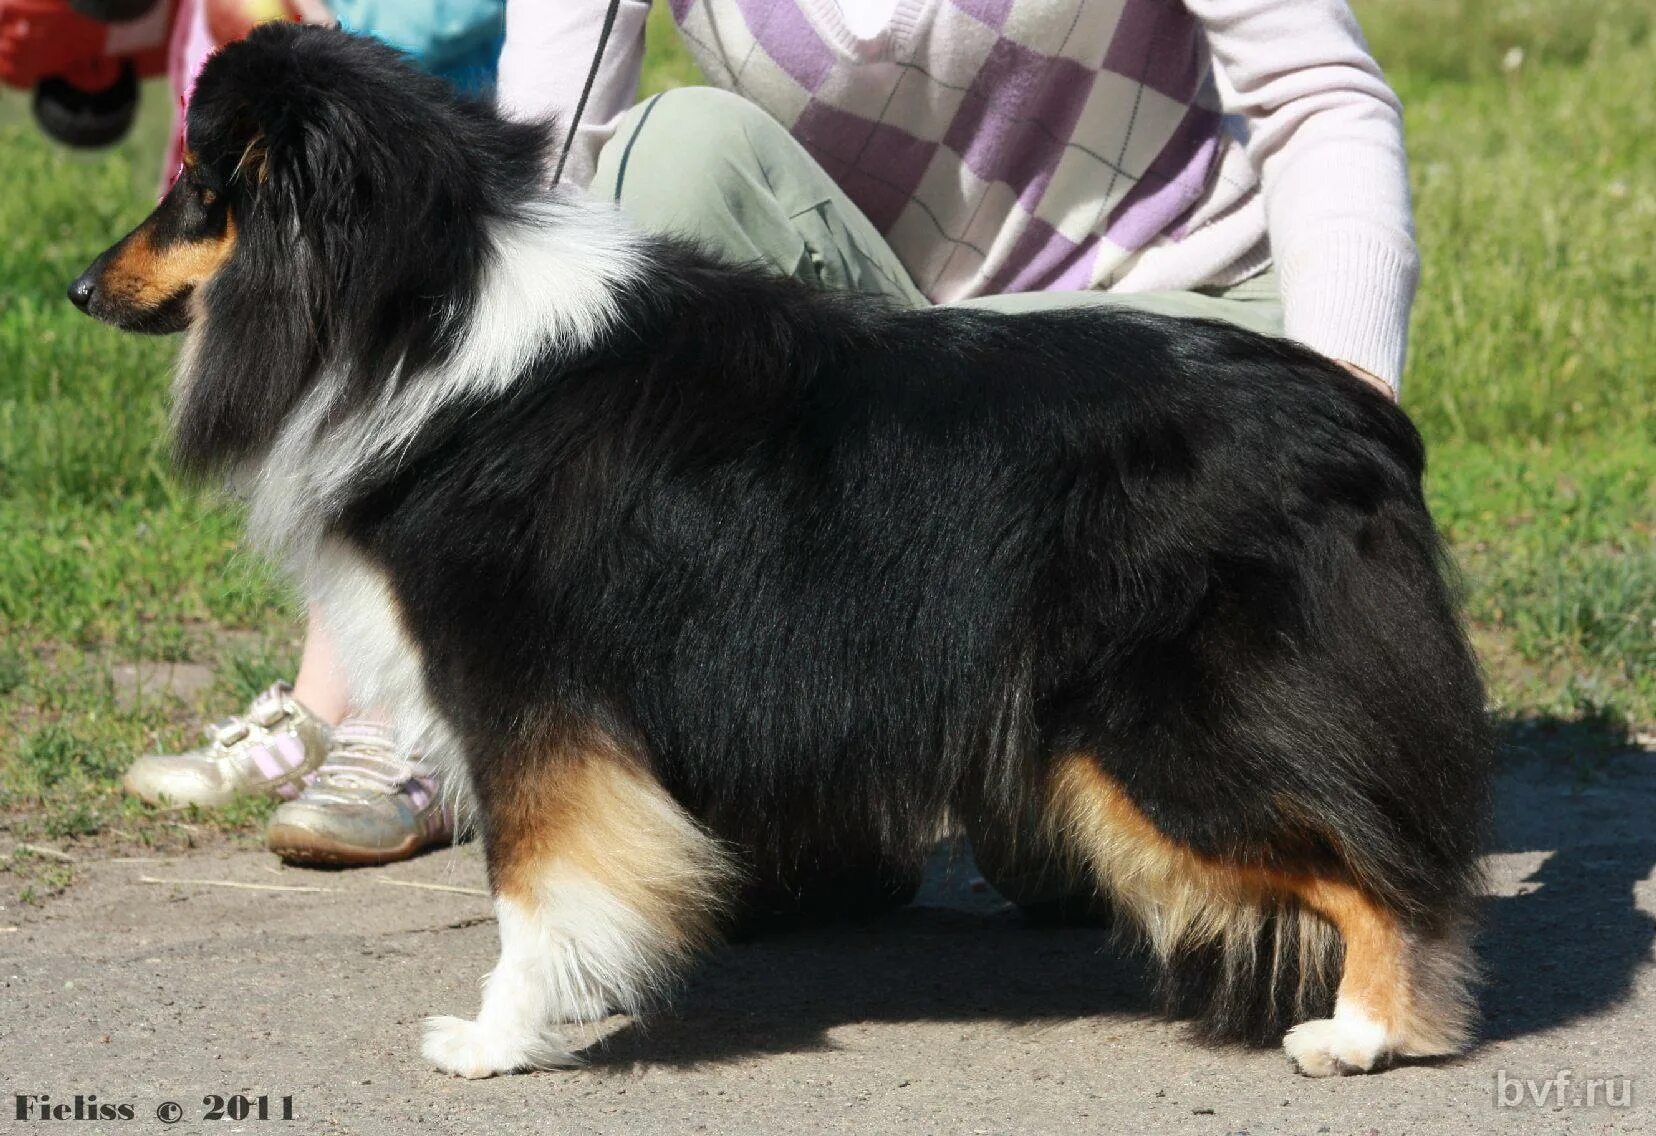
265,748
277,760
1045,144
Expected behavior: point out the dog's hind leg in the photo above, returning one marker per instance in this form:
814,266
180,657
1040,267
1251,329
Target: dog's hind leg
1269,941
1402,994
604,887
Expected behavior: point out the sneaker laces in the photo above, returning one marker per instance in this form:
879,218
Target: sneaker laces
363,755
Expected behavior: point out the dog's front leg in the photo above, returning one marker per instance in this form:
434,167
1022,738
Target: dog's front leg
604,888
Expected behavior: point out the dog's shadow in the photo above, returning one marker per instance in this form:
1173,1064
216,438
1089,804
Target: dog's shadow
788,992
1567,946
1567,940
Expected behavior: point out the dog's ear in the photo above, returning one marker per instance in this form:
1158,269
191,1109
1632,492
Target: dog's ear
252,354
253,105
246,135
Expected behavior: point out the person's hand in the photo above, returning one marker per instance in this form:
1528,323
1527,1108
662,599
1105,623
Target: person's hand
1370,378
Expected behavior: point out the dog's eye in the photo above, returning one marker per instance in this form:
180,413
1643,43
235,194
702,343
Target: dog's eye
205,195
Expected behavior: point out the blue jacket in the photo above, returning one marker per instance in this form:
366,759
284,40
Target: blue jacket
457,39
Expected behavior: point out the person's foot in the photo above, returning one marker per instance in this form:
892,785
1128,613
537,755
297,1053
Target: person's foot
367,805
272,749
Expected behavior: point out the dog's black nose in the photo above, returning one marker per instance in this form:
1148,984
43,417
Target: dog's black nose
80,292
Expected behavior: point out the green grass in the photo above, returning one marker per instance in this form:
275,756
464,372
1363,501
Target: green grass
1531,376
1558,549
1537,213
1533,358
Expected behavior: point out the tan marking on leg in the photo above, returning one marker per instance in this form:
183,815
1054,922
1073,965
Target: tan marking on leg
1398,994
605,890
596,811
1416,988
1374,974
1179,897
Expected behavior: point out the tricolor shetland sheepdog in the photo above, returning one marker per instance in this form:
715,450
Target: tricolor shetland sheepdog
703,581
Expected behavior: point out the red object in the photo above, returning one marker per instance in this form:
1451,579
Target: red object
230,20
44,38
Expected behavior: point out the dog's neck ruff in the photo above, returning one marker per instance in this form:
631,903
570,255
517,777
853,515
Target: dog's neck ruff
549,290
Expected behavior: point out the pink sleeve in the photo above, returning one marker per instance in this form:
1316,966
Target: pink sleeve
187,53
1326,134
544,62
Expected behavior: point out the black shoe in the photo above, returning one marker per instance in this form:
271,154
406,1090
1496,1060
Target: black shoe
87,119
113,11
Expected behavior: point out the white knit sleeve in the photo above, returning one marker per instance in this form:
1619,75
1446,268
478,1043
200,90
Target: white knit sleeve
544,63
1326,134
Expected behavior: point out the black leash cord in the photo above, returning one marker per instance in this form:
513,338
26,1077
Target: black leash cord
586,91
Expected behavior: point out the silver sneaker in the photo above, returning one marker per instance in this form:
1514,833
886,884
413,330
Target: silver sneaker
368,805
273,749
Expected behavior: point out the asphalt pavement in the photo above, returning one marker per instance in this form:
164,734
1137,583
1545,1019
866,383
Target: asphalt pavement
948,1017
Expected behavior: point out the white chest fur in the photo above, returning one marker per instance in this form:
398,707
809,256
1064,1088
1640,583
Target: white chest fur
550,287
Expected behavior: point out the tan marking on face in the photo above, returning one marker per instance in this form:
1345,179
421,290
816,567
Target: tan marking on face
146,277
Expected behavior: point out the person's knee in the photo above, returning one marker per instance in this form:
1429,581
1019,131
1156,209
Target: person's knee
686,143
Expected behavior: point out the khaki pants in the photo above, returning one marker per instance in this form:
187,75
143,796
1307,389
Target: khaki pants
709,165
706,164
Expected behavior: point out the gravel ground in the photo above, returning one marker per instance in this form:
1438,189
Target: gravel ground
948,1017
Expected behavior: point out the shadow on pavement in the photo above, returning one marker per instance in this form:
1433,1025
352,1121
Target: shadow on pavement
1567,947
785,993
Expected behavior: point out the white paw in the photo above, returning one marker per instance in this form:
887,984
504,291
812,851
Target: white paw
1330,1046
470,1049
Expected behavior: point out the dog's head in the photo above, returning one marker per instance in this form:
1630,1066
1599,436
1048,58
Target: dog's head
331,211
144,283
